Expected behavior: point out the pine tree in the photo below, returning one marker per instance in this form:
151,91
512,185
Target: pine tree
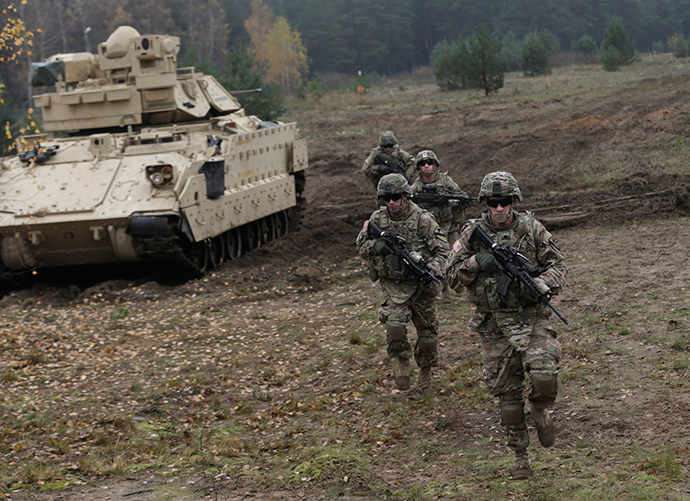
611,58
484,68
447,63
617,37
535,57
241,73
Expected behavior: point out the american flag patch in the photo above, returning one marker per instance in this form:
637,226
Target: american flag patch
457,246
366,226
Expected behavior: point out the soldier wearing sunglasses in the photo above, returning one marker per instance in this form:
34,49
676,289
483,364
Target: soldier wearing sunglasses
388,150
404,298
520,352
449,216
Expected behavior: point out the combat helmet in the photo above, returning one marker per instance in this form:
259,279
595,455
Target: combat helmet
387,137
426,155
499,184
392,184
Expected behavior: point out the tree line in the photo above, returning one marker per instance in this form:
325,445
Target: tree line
290,43
480,61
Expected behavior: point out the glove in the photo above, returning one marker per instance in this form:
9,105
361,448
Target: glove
381,248
384,169
542,286
487,261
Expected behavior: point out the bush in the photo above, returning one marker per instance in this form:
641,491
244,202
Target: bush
658,47
678,45
315,87
585,45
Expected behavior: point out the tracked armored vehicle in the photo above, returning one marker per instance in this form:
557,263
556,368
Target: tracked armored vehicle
155,163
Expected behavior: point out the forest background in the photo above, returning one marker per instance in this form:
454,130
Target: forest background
330,41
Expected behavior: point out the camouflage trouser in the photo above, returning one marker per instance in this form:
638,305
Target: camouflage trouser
422,311
514,345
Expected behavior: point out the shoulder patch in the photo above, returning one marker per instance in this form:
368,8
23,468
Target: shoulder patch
365,228
457,246
440,235
554,245
367,160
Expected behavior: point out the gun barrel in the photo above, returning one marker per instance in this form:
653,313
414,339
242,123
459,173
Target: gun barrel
246,91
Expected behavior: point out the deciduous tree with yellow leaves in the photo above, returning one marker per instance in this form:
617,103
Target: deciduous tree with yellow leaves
13,35
286,57
15,40
258,26
278,47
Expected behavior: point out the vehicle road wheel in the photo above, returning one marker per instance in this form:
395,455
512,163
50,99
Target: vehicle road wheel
252,237
265,229
233,243
217,251
281,223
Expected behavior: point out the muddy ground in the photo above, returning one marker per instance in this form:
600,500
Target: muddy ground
605,172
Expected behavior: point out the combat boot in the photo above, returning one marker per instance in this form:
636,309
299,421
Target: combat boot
426,382
521,469
544,425
402,374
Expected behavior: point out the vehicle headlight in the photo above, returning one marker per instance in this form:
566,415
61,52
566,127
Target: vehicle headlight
160,175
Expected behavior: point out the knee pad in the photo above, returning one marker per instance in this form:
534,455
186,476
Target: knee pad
513,412
395,331
545,385
427,344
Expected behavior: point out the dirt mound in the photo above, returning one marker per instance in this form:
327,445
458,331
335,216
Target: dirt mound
559,151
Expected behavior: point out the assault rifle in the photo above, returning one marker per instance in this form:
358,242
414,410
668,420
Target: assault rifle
397,168
412,260
513,266
431,197
38,153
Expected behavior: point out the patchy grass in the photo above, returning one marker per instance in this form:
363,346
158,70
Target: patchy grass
302,398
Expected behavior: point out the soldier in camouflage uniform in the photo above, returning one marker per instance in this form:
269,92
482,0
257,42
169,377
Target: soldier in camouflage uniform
517,338
403,297
449,217
389,150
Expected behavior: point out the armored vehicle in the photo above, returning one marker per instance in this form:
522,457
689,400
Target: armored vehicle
143,160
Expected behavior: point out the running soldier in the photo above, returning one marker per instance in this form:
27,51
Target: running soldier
405,297
386,158
449,217
518,341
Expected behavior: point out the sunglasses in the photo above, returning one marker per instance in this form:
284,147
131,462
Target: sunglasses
388,145
388,198
426,162
503,202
